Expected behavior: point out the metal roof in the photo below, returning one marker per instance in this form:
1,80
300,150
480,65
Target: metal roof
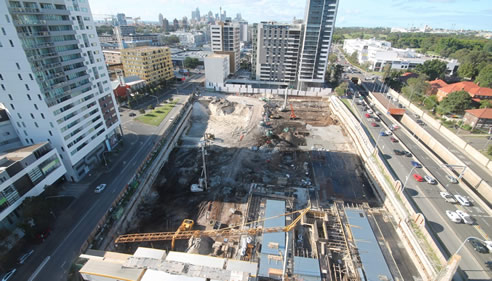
370,253
274,208
267,264
152,275
307,267
111,270
143,252
195,259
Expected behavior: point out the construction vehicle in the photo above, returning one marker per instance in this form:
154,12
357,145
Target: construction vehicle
185,232
292,114
209,136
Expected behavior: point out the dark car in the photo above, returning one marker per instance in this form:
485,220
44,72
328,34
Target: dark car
132,114
398,152
393,139
416,164
478,246
407,154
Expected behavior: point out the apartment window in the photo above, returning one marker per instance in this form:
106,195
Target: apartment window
62,149
7,18
32,143
27,87
27,141
10,97
36,124
3,31
28,97
51,134
20,76
30,76
36,106
18,114
24,125
18,66
11,105
32,116
39,96
51,124
11,43
3,87
1,77
42,115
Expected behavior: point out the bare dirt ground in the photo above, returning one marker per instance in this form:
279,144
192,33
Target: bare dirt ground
254,142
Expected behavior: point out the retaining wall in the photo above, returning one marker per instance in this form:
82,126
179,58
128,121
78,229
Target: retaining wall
402,209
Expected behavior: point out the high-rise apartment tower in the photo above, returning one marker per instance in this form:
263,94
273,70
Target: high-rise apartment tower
54,82
319,23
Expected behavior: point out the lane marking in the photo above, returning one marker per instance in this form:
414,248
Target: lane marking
40,267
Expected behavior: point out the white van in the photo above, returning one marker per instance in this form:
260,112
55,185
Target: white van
462,200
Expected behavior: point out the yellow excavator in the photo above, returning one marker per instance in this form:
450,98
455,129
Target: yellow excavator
185,231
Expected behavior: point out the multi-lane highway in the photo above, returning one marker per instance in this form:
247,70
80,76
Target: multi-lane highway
426,196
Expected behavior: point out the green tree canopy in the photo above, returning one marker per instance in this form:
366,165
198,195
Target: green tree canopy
170,40
191,62
456,102
484,78
417,87
485,104
472,63
433,68
341,89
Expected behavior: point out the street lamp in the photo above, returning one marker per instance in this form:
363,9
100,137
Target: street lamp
406,179
446,274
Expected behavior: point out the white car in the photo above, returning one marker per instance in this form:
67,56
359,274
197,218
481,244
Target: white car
462,200
451,179
100,188
465,217
388,132
488,244
25,256
370,111
447,196
429,179
453,216
9,274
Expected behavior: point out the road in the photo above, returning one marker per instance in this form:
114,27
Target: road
53,258
427,198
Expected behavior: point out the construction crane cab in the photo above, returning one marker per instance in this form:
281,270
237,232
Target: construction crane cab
186,225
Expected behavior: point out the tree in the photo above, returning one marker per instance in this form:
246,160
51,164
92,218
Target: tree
472,64
170,40
484,78
191,62
341,89
332,58
354,58
485,104
433,68
416,87
456,102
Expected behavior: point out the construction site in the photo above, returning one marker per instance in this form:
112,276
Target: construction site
275,183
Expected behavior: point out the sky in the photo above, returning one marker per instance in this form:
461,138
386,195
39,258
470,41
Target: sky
452,14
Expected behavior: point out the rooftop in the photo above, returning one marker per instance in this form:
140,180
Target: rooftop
307,268
482,113
469,87
111,270
438,83
370,253
19,153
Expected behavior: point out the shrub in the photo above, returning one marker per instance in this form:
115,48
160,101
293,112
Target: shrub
141,110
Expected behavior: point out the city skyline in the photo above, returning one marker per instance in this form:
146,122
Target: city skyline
450,14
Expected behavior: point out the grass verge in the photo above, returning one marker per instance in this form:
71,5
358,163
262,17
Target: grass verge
156,116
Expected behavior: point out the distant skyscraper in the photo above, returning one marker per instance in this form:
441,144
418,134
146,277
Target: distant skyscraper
55,84
319,23
161,19
176,24
121,19
165,25
195,15
184,22
238,17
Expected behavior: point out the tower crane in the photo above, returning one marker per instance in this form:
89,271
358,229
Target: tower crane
184,231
